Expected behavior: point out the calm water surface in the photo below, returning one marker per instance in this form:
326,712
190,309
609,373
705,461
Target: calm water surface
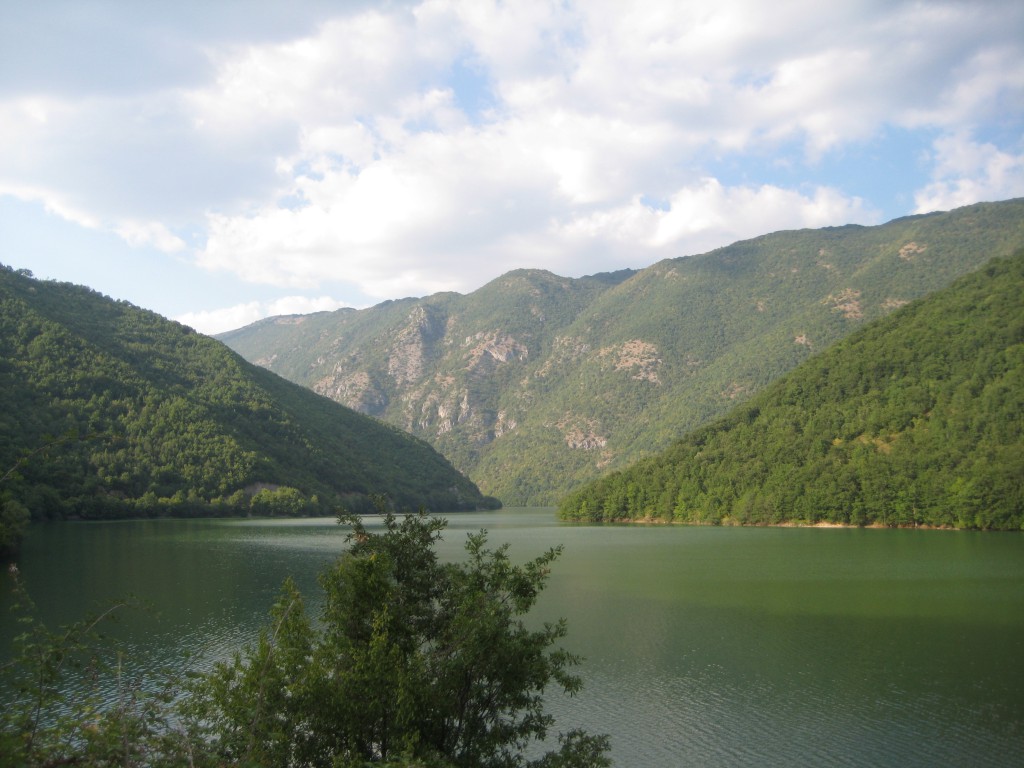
703,646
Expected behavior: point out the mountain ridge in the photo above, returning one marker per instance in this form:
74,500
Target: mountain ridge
536,383
915,419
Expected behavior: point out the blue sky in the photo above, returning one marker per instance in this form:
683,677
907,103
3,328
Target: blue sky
221,162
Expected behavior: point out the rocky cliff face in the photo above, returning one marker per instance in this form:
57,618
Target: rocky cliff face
427,377
536,383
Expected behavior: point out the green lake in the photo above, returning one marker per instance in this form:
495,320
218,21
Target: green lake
703,646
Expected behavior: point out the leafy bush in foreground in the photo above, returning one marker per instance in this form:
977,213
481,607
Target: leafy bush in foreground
413,662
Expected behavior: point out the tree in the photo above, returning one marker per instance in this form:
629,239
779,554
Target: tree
414,662
14,518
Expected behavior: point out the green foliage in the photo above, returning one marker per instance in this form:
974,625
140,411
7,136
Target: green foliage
536,384
54,712
412,662
917,419
14,519
151,418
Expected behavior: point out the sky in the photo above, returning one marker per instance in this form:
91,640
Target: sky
220,162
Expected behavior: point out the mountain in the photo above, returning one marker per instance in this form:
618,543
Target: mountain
113,410
536,384
916,419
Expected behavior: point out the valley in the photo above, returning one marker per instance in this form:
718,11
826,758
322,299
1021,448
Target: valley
536,384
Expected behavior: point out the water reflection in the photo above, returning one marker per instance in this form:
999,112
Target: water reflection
704,646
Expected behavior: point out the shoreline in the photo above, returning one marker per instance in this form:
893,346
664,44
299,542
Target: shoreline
730,523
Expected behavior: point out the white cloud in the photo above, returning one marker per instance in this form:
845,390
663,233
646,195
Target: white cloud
424,253
708,215
52,202
134,233
149,233
969,172
338,149
229,318
711,211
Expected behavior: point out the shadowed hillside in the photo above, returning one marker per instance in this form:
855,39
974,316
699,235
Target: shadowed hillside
113,410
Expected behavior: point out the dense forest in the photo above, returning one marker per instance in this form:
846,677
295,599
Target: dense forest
111,410
917,419
535,384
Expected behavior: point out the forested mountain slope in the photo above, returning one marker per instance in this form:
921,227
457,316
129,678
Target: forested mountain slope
917,419
123,412
536,384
